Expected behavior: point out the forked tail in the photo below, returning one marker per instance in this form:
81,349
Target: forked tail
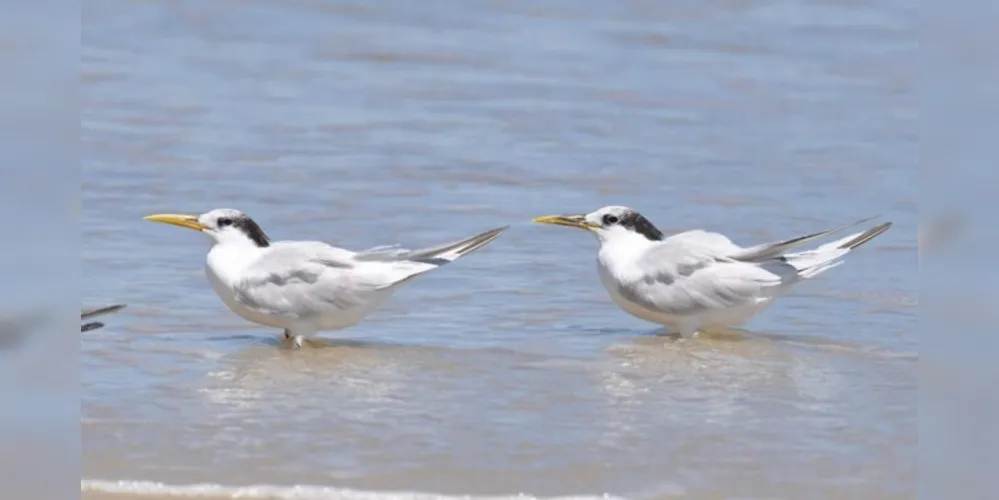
450,252
813,262
436,255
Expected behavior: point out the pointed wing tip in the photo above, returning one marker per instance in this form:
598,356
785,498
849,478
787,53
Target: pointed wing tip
880,228
94,325
85,313
489,236
494,233
867,236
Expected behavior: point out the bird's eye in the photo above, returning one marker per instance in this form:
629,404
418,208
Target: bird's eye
225,221
610,219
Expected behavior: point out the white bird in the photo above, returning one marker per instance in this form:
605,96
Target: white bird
306,286
698,280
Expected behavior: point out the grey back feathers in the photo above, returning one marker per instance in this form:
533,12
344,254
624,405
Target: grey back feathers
690,273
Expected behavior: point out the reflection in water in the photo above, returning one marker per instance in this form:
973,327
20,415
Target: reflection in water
361,375
624,400
393,122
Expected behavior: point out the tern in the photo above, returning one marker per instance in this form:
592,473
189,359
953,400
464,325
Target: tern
304,287
699,281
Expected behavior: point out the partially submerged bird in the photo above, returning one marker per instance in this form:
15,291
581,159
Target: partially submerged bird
699,280
305,287
90,313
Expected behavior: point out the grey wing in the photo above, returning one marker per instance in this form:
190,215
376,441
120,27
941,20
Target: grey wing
684,279
307,279
707,240
767,251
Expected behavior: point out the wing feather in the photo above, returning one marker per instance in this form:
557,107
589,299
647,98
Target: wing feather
304,279
308,278
697,271
775,249
684,277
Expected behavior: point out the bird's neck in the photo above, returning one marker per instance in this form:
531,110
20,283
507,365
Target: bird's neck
623,249
228,260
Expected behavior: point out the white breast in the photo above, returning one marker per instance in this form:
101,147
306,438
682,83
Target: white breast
223,267
630,307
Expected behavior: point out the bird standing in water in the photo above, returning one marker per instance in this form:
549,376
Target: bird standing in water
304,287
698,280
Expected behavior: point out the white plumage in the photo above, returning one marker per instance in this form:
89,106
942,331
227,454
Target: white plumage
307,286
700,280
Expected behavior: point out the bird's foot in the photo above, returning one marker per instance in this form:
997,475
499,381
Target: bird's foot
685,332
721,333
296,341
672,335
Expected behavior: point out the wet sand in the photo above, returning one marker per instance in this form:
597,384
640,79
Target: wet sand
509,371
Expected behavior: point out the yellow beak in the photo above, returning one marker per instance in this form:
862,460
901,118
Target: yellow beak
188,221
577,221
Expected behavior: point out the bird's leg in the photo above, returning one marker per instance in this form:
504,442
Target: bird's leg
687,330
720,332
296,335
295,340
671,333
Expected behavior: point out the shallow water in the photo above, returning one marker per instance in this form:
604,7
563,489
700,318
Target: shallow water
509,371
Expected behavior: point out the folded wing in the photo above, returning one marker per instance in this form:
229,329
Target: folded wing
304,279
684,279
698,271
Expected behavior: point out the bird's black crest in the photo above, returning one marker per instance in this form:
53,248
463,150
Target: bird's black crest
638,223
252,230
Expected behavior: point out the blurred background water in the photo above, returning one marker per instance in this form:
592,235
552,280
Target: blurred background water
510,371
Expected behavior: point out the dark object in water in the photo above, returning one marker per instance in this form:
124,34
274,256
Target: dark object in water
13,331
90,313
91,326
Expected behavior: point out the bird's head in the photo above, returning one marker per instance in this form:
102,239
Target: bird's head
611,223
222,225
